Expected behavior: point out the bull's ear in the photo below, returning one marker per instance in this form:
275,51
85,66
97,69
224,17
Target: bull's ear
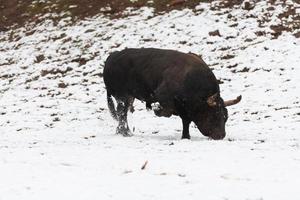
212,100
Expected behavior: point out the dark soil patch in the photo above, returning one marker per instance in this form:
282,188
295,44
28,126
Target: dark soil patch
55,71
215,33
17,13
14,12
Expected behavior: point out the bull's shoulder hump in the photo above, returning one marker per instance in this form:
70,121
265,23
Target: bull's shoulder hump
196,57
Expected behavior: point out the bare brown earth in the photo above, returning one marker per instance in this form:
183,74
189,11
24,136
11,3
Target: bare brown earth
15,13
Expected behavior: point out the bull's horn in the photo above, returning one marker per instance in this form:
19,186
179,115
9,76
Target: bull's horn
211,101
233,101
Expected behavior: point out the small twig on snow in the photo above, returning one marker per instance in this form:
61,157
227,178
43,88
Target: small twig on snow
144,165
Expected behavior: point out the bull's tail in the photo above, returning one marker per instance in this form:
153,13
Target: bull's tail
111,106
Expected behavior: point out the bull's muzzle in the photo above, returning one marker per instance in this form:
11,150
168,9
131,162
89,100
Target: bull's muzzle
218,136
215,134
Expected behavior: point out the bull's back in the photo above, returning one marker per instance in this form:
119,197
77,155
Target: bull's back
139,72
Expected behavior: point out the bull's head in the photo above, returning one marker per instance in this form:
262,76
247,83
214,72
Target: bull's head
211,120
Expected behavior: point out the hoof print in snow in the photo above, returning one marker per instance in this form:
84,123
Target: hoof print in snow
163,174
181,175
127,171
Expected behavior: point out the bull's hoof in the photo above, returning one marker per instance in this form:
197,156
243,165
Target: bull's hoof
127,134
124,131
186,137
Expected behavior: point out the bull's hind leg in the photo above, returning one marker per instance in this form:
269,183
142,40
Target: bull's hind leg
130,104
122,109
185,130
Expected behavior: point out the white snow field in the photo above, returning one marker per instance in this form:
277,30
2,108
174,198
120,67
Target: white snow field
58,141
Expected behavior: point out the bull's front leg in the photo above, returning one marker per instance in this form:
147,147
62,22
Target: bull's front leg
185,129
148,105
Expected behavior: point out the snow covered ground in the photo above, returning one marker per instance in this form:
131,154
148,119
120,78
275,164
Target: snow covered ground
58,139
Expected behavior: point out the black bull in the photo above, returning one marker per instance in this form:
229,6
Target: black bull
176,83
